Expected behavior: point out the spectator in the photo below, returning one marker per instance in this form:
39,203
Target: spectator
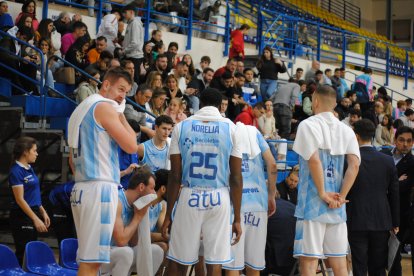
318,78
109,29
375,114
303,87
25,20
352,96
204,63
373,208
88,86
404,161
344,85
181,72
354,116
336,84
303,37
310,74
288,188
307,100
240,66
79,30
230,67
343,108
205,79
327,77
251,95
409,103
237,42
78,55
154,80
100,46
10,53
173,91
399,111
128,162
160,66
143,96
175,110
44,30
408,119
156,37
249,116
45,46
384,133
6,21
63,23
172,53
29,9
102,64
363,86
128,65
134,38
298,75
27,215
158,49
147,61
157,103
237,102
283,104
267,122
223,106
187,59
269,67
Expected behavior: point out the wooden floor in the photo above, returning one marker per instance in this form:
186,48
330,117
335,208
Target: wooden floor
406,266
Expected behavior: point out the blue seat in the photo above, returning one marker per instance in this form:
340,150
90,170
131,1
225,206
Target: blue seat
9,264
67,256
292,158
39,259
281,175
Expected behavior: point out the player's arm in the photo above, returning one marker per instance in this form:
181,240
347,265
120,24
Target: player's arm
271,180
157,237
116,126
141,150
174,183
236,186
350,175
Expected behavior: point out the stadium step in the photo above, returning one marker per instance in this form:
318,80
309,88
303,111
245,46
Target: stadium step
54,107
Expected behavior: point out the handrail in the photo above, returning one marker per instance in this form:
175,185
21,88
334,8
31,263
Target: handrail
98,81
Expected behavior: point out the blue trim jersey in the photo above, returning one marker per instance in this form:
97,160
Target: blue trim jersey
126,159
26,177
154,214
127,210
96,158
254,198
155,158
60,195
205,142
332,140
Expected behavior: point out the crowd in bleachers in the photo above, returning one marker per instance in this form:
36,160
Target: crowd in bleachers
168,83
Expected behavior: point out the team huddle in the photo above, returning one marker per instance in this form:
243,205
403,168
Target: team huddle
219,193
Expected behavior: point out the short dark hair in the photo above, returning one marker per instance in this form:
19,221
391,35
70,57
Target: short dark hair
409,101
161,56
247,69
318,72
140,175
244,27
182,63
299,69
239,75
161,178
301,82
365,128
114,74
337,70
409,112
350,93
224,98
226,75
355,112
130,7
173,44
404,129
79,25
231,60
106,55
210,97
397,124
367,70
259,105
154,32
206,59
328,70
342,69
134,125
100,38
143,87
164,119
207,69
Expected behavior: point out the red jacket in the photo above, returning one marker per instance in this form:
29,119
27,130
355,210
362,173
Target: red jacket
247,117
236,44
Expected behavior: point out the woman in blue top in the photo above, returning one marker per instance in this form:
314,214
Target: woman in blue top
27,215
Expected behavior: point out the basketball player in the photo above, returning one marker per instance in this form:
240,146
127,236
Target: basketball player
205,159
96,128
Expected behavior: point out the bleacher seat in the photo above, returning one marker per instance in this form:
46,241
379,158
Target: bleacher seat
67,254
281,175
9,264
5,88
39,259
292,158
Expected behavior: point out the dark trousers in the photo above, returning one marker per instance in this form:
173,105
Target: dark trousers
283,115
23,230
369,251
137,64
62,223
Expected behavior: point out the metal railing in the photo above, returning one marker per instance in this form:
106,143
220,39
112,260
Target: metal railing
344,9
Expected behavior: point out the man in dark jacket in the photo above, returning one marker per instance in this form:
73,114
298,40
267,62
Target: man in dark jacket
373,208
288,188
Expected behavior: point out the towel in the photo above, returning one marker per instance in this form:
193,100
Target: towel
79,113
208,113
248,141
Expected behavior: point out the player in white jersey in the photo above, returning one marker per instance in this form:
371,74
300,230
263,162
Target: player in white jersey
154,152
206,161
323,143
96,128
258,202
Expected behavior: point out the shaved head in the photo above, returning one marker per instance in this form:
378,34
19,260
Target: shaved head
324,99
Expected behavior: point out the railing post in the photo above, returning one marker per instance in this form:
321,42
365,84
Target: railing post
344,10
329,5
227,30
387,66
259,31
190,25
147,19
45,9
343,49
319,44
407,62
99,14
366,53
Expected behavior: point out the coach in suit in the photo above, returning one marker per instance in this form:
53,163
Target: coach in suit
404,161
373,208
